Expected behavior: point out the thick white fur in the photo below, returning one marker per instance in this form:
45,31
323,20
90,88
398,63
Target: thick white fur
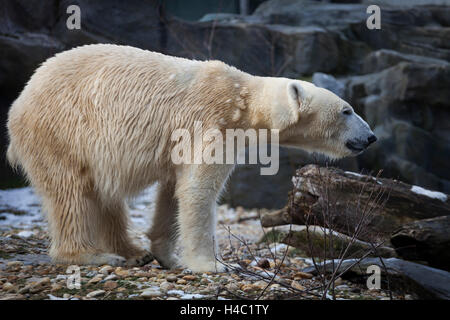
93,126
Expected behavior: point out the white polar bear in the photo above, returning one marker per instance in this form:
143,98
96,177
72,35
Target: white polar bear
93,126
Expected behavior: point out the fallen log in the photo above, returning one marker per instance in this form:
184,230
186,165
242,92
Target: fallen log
318,241
425,240
399,275
342,201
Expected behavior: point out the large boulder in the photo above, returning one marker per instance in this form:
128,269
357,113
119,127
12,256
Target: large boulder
406,106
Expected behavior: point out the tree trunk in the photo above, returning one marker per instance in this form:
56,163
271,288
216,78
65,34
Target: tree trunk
425,240
346,201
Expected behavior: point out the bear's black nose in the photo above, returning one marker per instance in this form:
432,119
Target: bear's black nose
372,139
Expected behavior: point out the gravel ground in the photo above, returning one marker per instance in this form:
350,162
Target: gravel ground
267,270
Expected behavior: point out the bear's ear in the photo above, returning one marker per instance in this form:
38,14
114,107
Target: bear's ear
296,93
287,111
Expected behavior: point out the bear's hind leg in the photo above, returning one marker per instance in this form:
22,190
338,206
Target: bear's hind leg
163,231
73,228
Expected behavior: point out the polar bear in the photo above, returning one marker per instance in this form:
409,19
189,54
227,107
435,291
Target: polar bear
93,127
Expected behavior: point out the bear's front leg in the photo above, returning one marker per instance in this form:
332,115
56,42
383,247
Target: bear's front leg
198,187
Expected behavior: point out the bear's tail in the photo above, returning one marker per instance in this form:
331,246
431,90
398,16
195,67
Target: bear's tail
11,156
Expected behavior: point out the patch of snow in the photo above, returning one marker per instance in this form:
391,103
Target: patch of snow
354,174
25,233
20,208
190,296
52,297
185,296
177,292
428,193
278,248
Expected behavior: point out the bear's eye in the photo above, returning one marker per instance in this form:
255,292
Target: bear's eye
347,112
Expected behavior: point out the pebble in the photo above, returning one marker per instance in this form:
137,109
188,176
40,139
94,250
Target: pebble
338,281
190,277
297,285
151,293
96,279
14,265
232,286
56,287
263,263
122,272
106,269
248,288
142,274
111,277
95,293
261,284
8,287
166,286
110,285
181,281
39,285
302,275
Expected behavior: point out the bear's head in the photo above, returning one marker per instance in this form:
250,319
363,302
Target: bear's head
317,120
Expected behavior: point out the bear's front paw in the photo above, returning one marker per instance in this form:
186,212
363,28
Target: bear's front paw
140,260
170,261
204,265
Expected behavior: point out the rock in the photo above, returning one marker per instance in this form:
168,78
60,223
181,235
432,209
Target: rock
151,293
410,120
111,277
329,82
425,240
232,286
404,276
96,279
302,275
110,285
144,274
171,278
263,263
382,59
122,272
95,294
14,265
106,270
56,287
166,286
190,277
39,285
9,287
249,287
297,285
